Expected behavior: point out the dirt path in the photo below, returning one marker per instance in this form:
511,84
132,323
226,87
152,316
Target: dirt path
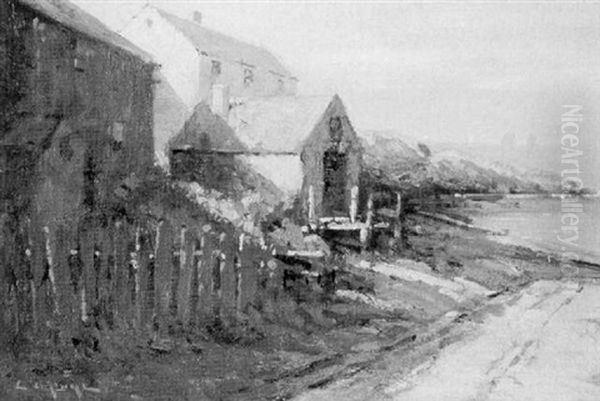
542,345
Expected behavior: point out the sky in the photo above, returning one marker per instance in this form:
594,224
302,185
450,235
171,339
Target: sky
459,72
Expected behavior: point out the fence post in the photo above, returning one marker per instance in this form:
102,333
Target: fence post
36,250
353,203
163,272
141,284
184,290
237,270
122,284
196,280
50,248
205,273
107,262
88,281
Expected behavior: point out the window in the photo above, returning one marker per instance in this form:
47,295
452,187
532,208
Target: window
215,68
335,130
248,76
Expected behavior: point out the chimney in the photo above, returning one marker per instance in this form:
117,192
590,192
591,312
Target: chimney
219,103
197,17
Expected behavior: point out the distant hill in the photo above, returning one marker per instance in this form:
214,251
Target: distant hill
408,164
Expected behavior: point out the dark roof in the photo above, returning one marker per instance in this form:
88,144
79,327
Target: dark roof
224,47
278,124
208,132
73,17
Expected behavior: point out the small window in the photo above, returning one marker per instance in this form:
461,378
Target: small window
248,76
215,68
335,129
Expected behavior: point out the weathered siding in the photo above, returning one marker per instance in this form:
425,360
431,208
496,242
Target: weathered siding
312,157
100,98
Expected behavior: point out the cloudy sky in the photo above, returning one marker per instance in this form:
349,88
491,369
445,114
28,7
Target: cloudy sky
442,71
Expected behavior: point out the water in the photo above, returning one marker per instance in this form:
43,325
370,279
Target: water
537,222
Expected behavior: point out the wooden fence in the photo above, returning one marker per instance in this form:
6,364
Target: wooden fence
130,276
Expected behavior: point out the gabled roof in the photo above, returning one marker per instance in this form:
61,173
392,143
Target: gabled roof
223,47
73,17
207,132
277,124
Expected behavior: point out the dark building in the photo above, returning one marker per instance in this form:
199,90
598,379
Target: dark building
75,110
204,150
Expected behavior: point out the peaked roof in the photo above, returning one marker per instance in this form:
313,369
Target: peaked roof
278,124
224,47
207,131
73,17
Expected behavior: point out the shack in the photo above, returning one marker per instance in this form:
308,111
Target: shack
307,147
204,150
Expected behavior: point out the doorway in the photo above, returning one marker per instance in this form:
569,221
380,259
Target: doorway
335,165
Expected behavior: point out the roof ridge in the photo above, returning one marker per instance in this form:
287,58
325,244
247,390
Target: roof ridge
70,15
277,66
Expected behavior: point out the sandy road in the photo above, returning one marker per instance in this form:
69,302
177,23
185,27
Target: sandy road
543,345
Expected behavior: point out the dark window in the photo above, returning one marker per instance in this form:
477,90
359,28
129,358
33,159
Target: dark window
64,148
248,76
215,68
335,130
335,166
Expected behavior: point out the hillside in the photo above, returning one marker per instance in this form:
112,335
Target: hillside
411,165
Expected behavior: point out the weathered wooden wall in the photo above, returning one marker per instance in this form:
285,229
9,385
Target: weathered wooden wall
320,141
74,107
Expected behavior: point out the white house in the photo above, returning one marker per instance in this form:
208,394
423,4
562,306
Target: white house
193,58
197,65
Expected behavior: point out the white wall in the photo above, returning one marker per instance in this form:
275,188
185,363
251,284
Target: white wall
179,60
285,171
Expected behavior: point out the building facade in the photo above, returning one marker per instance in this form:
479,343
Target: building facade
77,113
194,58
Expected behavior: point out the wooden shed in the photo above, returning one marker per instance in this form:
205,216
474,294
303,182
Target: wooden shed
307,147
77,109
204,150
